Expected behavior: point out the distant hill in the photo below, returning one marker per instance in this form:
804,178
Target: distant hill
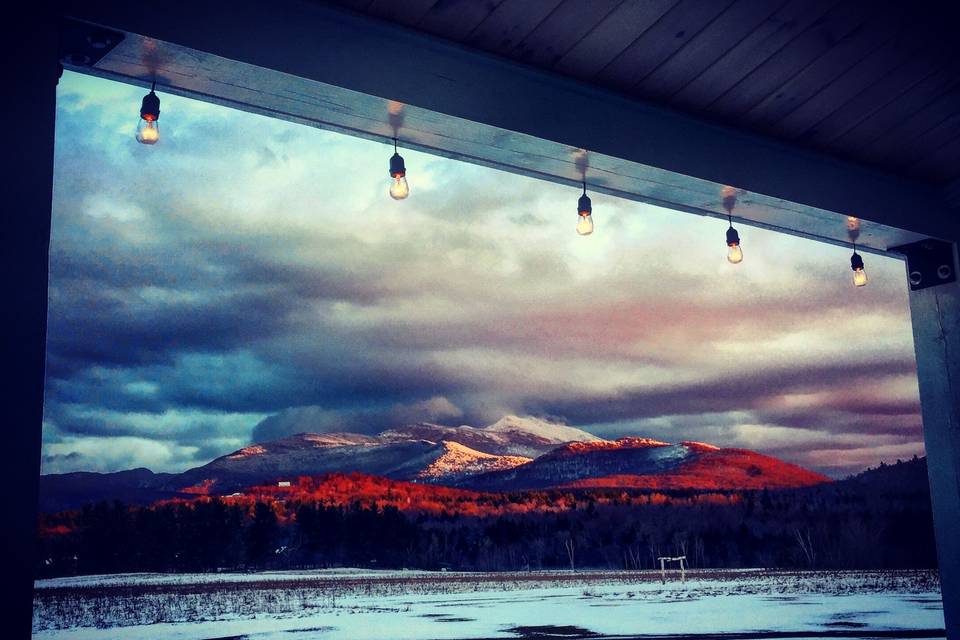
642,463
70,490
902,483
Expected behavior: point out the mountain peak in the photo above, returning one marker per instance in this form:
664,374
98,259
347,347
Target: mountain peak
458,461
701,447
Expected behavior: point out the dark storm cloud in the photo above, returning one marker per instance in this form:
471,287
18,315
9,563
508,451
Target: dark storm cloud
61,458
315,419
741,392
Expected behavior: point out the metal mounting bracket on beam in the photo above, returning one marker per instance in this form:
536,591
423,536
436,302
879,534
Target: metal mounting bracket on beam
84,45
929,263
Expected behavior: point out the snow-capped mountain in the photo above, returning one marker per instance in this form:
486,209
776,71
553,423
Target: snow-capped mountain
536,428
301,454
309,454
510,436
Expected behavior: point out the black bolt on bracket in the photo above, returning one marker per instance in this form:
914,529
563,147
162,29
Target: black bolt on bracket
83,45
929,263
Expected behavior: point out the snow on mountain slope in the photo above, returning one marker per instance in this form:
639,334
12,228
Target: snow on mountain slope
424,451
543,429
309,454
302,454
577,460
457,461
299,443
511,436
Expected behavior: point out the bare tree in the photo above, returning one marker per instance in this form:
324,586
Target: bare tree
806,545
568,543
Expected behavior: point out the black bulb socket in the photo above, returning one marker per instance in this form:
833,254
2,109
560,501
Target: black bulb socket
584,206
397,168
856,262
150,107
733,238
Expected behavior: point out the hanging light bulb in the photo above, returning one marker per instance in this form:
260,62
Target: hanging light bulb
398,175
734,252
856,263
585,210
148,127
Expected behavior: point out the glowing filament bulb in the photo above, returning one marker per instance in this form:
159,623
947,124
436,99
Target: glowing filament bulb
399,188
398,175
148,128
585,209
148,131
585,224
859,275
734,252
859,278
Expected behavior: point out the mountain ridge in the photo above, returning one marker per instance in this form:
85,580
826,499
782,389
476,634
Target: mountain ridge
514,453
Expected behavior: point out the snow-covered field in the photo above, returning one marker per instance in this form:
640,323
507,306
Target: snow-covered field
396,605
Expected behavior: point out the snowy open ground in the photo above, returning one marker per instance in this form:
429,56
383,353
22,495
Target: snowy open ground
399,605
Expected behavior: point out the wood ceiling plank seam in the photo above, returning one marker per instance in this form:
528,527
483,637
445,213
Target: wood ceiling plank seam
884,120
876,96
653,25
559,38
355,5
506,7
448,19
952,125
943,162
711,22
408,12
811,43
718,19
686,58
750,53
625,70
482,22
847,53
589,32
945,134
941,111
851,83
576,62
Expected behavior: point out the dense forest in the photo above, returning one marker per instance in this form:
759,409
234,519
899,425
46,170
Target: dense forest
880,519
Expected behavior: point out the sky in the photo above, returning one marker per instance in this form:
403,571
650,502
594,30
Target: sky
247,278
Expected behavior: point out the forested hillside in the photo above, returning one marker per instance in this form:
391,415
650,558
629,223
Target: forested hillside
879,519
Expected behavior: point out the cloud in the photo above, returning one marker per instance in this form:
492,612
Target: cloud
315,419
89,454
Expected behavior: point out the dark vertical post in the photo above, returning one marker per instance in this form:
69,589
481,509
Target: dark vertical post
936,334
29,108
